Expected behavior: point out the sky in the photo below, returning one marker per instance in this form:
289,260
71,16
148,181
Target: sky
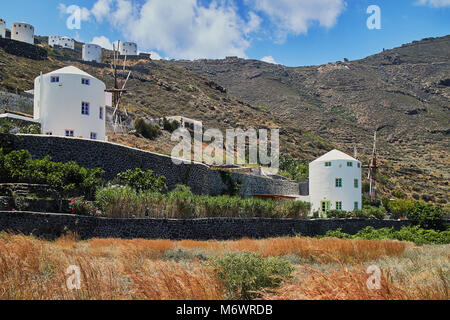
288,32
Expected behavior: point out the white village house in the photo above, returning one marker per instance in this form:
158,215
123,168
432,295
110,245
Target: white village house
64,42
335,183
70,102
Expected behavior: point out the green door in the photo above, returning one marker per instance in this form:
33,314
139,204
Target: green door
325,207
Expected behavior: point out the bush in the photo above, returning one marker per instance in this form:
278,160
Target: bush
244,273
84,208
412,234
147,130
170,126
294,169
400,207
427,216
65,178
142,180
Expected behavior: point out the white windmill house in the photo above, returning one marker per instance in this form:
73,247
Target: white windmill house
119,88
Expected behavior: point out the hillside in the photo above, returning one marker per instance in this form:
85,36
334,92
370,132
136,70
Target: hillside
403,92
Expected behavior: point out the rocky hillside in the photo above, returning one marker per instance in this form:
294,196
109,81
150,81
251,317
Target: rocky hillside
403,93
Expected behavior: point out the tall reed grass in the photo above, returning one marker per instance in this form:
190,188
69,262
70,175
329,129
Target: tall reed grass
125,202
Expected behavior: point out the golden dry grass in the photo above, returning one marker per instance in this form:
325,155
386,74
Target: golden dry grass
141,269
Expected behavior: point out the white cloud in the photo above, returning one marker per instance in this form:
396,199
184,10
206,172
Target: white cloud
269,59
155,55
297,16
183,28
104,42
434,3
101,9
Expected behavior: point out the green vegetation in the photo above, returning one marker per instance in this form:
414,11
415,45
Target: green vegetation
170,126
368,212
147,130
413,234
66,179
83,208
125,202
10,127
294,169
142,180
244,274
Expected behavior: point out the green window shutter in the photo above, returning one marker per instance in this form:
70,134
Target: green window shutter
338,182
356,183
359,165
349,164
327,164
356,205
339,205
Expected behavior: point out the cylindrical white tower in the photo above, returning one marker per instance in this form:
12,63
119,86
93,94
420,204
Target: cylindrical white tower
70,102
128,49
2,28
92,52
335,183
23,32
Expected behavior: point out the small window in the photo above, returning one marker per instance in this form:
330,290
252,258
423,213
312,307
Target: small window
69,133
85,108
101,113
349,164
356,205
356,183
359,165
85,81
339,205
93,136
327,164
338,182
54,79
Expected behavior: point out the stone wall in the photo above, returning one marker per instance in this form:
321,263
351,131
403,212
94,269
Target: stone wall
23,49
51,226
115,158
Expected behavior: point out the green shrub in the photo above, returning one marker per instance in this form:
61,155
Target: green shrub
400,207
84,208
412,234
65,178
170,126
427,216
371,212
244,273
147,130
142,180
294,169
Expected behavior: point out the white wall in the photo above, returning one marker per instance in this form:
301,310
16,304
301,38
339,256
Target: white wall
128,49
23,32
92,52
2,28
58,105
322,184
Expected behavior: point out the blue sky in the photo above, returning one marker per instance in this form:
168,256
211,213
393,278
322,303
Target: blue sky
289,32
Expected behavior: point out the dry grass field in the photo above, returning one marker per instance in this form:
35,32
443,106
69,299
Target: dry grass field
178,270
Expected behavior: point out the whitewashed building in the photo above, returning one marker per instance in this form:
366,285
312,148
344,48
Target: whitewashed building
64,42
22,32
2,28
92,52
70,102
335,183
128,49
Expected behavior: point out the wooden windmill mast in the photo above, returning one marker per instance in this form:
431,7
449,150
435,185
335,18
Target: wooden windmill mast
118,90
373,166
